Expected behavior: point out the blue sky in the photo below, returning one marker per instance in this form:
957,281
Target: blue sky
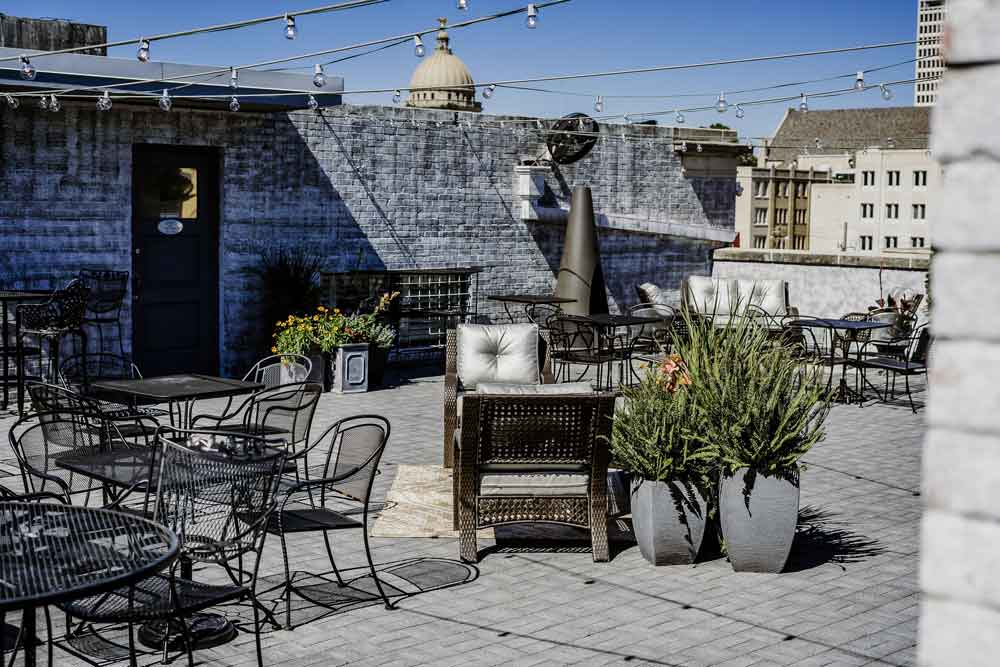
579,36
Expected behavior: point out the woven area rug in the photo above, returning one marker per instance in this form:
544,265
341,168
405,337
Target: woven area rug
419,505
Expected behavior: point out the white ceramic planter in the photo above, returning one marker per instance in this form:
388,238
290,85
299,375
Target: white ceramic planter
758,521
350,369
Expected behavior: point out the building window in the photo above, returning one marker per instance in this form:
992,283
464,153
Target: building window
760,242
760,188
868,178
801,190
920,211
891,242
916,241
778,242
866,242
799,242
920,179
867,211
893,177
784,189
760,216
781,216
800,216
892,211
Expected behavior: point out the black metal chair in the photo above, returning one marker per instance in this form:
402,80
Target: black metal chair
104,303
276,370
913,361
80,371
60,316
218,502
576,344
355,446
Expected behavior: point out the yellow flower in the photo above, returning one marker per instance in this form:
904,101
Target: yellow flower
274,350
336,311
315,318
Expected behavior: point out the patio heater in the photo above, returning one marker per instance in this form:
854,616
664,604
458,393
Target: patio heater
580,274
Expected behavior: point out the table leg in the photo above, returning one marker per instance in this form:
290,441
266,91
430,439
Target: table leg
510,315
28,632
6,354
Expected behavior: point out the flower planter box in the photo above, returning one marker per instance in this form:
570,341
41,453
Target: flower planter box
378,357
758,515
668,519
350,369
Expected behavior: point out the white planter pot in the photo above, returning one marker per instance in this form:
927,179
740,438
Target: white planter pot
350,369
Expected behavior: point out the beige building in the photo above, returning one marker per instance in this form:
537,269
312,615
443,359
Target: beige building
864,183
930,62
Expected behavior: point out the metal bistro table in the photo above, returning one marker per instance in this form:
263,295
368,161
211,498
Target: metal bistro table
529,302
605,324
183,390
52,553
852,328
7,351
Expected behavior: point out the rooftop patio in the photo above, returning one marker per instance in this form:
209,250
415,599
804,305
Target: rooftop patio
848,595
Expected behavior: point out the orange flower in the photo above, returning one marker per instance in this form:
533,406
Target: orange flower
274,350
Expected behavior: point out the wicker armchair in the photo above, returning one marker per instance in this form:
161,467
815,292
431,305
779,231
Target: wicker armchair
533,458
454,388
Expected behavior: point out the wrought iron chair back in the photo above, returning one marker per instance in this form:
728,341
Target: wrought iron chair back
269,370
107,289
39,440
64,311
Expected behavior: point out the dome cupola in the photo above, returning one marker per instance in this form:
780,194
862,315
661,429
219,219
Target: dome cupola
442,81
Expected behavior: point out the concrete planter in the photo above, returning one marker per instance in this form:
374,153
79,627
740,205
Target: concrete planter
668,519
619,492
758,515
320,373
350,369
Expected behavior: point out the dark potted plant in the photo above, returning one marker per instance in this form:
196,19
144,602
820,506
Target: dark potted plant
762,409
651,439
289,278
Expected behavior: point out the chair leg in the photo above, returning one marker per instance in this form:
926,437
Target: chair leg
468,548
333,564
371,564
599,532
256,634
913,407
131,646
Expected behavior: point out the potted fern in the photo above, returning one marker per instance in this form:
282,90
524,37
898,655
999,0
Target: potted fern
762,411
651,439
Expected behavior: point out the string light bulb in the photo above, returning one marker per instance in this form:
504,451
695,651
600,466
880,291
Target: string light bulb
28,71
678,117
739,111
104,102
699,148
859,81
488,91
165,102
628,119
43,103
234,104
890,142
532,20
819,143
803,103
886,92
291,32
12,101
397,95
463,5
312,103
721,105
54,104
599,104
684,147
143,53
319,78
418,46
234,78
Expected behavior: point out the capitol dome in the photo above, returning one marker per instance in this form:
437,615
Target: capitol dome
442,81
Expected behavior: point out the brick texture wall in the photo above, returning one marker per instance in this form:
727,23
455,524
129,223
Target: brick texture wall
349,182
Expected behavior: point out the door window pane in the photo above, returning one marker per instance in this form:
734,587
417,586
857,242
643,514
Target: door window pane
170,192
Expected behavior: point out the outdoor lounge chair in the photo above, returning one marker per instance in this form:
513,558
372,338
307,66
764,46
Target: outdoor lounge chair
509,353
525,458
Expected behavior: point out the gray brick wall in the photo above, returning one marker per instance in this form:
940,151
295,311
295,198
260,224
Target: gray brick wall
345,181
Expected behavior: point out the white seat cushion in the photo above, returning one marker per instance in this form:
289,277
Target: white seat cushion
534,484
711,295
497,353
535,389
768,295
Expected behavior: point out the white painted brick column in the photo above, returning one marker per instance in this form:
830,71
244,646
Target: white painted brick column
960,557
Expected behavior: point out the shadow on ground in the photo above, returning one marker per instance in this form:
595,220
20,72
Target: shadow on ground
822,538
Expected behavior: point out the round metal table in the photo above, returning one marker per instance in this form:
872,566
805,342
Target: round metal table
52,553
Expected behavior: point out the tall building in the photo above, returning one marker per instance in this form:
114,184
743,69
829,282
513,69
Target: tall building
930,63
842,181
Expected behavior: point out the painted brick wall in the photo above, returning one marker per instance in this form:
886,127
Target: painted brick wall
350,182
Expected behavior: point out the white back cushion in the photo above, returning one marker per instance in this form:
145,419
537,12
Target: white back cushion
497,353
654,294
768,295
535,389
710,295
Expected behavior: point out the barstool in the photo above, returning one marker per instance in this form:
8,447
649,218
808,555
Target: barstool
104,304
60,316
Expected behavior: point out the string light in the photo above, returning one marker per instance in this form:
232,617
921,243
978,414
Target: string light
12,101
396,96
104,102
803,103
886,92
291,32
721,105
54,104
699,148
488,91
684,147
28,71
678,117
312,103
319,78
43,103
599,104
234,78
739,111
418,46
463,5
165,102
890,142
532,20
859,81
234,104
818,142
143,53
